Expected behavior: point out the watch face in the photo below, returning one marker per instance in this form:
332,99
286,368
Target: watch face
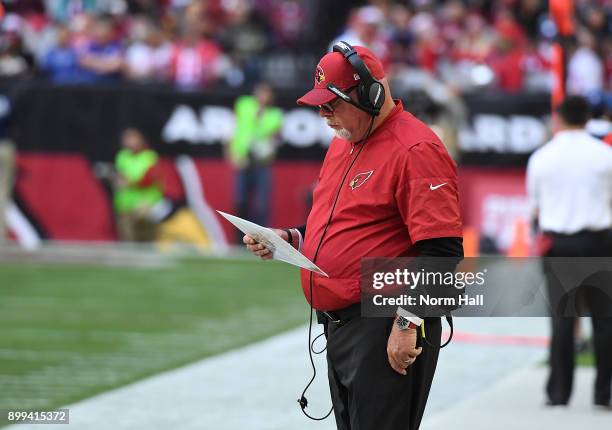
402,323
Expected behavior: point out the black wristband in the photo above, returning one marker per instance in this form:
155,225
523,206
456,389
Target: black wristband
289,236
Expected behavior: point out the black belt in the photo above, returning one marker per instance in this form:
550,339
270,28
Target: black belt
339,316
579,233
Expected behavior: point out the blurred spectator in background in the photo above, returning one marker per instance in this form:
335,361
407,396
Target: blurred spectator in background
471,45
452,15
429,45
61,63
506,62
600,124
585,70
252,150
287,19
595,17
81,28
364,29
138,187
147,58
506,58
24,6
529,14
400,36
474,44
15,60
64,10
152,9
196,60
101,59
244,39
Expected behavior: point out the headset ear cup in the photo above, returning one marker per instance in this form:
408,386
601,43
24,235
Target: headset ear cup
376,95
362,95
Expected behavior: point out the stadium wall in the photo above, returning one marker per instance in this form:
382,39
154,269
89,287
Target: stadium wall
68,136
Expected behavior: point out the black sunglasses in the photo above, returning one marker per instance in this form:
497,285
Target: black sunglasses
330,107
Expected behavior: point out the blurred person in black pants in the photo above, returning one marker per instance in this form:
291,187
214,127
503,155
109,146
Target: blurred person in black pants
569,184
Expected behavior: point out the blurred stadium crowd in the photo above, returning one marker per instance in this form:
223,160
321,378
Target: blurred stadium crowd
469,44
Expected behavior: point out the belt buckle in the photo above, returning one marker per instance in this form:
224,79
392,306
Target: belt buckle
331,318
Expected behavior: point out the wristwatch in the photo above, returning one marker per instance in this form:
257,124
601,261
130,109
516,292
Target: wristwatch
404,324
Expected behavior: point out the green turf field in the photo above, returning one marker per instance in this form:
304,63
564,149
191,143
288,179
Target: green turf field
68,332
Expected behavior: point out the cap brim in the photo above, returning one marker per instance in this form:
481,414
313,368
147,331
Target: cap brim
316,97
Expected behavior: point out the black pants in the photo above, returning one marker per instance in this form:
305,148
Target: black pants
367,393
562,346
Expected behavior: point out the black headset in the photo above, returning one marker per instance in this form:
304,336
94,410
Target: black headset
370,92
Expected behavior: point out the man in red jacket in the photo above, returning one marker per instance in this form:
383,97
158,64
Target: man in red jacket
387,188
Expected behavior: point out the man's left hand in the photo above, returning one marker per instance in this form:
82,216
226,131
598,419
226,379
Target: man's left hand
401,348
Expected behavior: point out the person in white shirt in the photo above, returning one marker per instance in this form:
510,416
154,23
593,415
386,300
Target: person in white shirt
585,69
569,186
147,58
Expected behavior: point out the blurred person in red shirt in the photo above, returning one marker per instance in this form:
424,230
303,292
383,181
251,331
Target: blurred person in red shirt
377,177
506,58
506,61
196,60
476,41
429,44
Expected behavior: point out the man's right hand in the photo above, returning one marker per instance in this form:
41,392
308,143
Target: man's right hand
261,251
401,348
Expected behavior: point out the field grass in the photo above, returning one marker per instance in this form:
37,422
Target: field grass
68,332
585,359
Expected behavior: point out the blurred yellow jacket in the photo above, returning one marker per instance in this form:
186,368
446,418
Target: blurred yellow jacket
252,129
133,167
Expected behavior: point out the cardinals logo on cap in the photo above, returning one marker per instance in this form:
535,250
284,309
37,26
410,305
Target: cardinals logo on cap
319,75
359,180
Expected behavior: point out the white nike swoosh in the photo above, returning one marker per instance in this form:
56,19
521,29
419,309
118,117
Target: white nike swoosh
432,187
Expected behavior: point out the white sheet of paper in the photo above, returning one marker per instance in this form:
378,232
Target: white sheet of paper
281,250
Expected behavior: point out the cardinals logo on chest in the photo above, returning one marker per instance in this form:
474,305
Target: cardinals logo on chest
360,179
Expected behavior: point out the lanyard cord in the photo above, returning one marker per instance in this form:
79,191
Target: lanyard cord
449,320
302,400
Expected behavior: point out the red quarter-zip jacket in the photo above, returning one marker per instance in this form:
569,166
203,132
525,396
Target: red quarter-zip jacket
401,189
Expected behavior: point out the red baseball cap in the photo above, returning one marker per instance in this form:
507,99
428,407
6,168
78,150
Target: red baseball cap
335,69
